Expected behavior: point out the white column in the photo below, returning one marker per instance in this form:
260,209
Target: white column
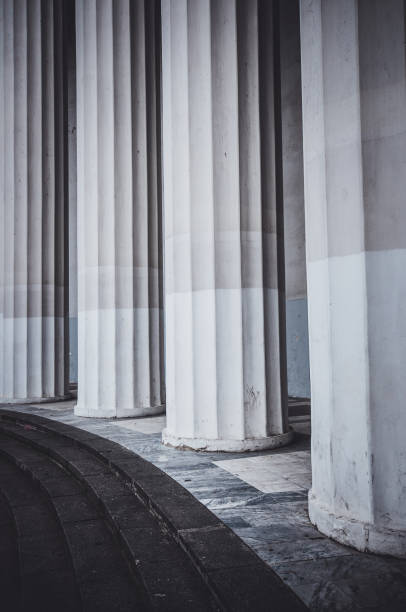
33,337
119,264
354,113
224,284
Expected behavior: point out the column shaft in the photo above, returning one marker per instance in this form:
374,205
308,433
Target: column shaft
119,261
354,101
225,353
34,340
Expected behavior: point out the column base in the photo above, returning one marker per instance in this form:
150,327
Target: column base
365,537
117,413
227,446
35,400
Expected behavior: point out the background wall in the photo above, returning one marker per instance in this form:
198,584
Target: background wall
293,190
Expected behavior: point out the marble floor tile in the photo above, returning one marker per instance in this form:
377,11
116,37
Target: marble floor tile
148,425
273,473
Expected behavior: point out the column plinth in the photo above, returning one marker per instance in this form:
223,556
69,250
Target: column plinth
230,446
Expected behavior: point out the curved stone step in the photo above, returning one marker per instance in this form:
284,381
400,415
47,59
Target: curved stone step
9,561
169,578
237,577
43,577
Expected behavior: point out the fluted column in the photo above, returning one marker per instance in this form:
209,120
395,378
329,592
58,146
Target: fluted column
70,85
354,115
224,281
33,341
119,261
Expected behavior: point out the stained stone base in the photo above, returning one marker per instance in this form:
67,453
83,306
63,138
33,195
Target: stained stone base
117,412
228,446
361,535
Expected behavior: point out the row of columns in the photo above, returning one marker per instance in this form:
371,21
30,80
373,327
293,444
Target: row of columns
222,230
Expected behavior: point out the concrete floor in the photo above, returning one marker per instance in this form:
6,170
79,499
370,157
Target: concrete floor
263,497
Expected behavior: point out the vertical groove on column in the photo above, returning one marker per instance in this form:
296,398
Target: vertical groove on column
280,421
227,229
8,231
154,207
273,254
46,243
2,189
252,234
124,234
160,362
106,205
202,247
36,161
60,311
19,247
140,186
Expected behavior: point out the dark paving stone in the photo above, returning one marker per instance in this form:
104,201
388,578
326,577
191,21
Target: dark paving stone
107,485
9,562
87,466
33,519
179,507
130,514
25,455
52,591
149,545
218,547
170,592
39,553
254,588
74,508
48,471
57,487
92,548
112,592
15,490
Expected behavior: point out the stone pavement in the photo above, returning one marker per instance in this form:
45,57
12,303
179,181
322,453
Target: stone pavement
262,497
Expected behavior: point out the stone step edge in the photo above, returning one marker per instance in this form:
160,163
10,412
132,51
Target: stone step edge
30,471
65,464
31,475
119,459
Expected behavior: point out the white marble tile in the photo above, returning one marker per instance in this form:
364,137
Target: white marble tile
272,473
146,425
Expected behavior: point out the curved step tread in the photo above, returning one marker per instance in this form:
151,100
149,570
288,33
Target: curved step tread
168,576
9,562
43,577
